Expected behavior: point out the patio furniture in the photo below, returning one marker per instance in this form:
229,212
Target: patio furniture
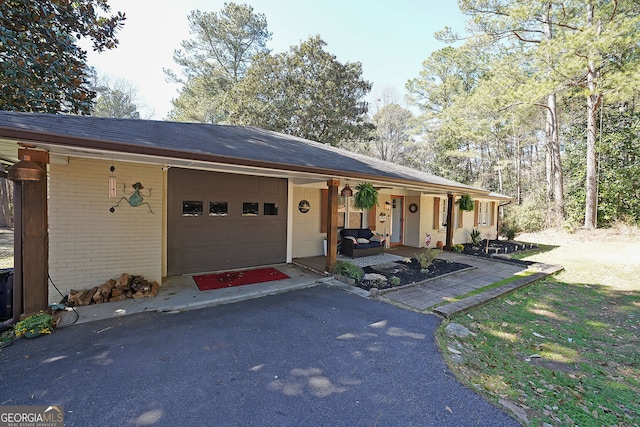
359,242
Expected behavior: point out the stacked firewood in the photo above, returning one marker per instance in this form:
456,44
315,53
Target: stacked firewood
126,286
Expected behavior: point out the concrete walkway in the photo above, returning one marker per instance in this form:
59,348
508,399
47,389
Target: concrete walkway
441,289
483,272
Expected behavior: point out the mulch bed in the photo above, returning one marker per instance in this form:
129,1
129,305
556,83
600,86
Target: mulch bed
499,247
408,273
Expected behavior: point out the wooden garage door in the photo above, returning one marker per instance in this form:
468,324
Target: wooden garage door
219,221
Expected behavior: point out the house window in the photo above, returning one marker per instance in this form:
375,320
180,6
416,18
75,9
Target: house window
250,209
483,213
348,215
192,208
443,211
271,209
218,209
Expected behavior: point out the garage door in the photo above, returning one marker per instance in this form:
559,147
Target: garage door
219,221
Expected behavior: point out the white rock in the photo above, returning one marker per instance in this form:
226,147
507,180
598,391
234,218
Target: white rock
453,350
457,330
374,277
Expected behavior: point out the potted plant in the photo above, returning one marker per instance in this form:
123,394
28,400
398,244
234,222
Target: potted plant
35,325
366,196
465,202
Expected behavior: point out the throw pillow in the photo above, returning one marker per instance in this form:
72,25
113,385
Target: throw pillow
362,240
353,239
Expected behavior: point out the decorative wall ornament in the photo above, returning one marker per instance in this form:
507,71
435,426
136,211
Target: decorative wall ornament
304,206
413,208
112,183
136,199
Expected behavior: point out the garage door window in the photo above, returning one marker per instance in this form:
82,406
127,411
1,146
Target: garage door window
271,209
218,209
192,208
250,209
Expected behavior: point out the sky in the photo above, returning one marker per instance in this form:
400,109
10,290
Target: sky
390,38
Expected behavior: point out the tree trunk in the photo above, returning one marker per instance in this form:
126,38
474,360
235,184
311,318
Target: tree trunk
556,163
555,190
591,203
593,102
518,160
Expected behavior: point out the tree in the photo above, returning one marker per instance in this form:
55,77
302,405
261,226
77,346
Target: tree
571,49
216,58
601,57
446,81
521,27
305,92
392,124
118,99
43,68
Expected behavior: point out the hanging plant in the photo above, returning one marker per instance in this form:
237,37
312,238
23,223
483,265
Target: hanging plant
465,202
366,196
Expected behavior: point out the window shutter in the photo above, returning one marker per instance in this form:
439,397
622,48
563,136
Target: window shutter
371,221
475,214
436,213
492,213
324,202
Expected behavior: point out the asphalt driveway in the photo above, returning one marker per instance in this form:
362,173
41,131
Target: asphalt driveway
313,357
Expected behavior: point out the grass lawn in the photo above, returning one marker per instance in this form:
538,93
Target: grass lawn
565,351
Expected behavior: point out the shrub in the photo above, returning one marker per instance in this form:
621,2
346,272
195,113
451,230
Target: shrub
475,236
508,229
458,247
427,257
349,270
530,216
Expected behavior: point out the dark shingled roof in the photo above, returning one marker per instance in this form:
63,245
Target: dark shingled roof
240,145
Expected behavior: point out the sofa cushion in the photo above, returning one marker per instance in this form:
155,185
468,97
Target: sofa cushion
365,233
377,238
353,232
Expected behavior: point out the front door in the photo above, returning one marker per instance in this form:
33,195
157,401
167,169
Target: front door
397,220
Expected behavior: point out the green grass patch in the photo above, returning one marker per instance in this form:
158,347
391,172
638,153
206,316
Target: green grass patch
513,278
566,353
530,252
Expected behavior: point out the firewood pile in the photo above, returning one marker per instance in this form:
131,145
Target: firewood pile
126,286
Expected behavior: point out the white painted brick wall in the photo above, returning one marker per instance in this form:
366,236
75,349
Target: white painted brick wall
88,244
307,238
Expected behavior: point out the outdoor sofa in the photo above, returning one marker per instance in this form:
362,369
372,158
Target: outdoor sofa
359,242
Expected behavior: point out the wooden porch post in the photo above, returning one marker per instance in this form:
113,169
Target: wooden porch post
332,225
31,264
449,242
